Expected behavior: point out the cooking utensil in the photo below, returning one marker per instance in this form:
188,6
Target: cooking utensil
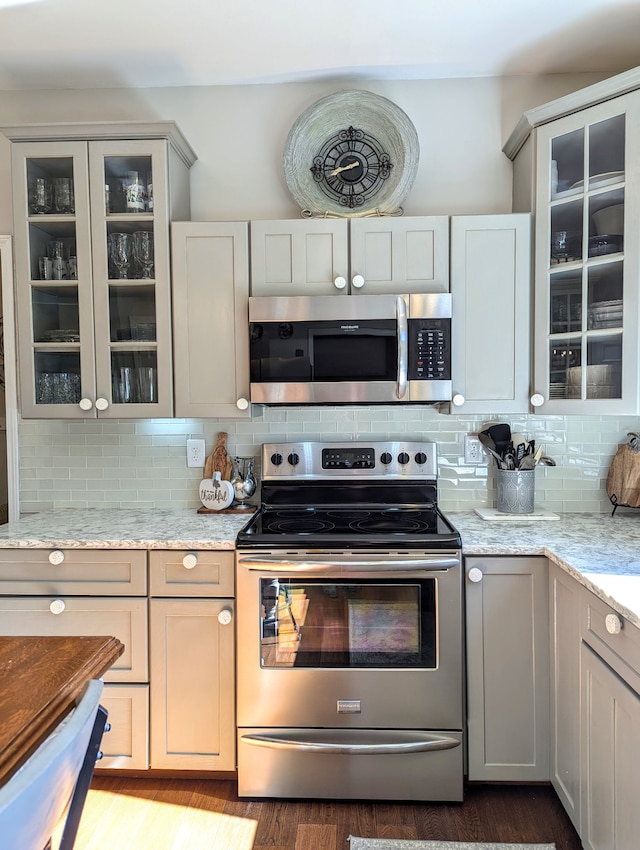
490,447
547,461
500,433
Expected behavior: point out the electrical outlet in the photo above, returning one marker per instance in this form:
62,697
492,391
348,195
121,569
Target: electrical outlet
473,451
195,452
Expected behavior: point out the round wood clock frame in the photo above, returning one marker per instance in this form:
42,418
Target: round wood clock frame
353,153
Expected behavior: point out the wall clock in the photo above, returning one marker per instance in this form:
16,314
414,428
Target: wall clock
353,153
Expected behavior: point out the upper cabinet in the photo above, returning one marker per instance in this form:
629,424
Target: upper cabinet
93,293
211,318
580,165
491,313
327,256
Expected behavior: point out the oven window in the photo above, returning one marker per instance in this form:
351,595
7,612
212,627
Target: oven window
348,623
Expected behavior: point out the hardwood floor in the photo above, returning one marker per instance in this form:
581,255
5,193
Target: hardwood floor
206,814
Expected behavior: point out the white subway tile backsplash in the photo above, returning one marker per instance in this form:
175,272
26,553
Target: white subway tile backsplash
142,463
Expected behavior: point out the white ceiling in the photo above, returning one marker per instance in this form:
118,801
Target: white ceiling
58,44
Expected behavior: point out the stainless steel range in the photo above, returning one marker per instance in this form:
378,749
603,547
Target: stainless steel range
349,615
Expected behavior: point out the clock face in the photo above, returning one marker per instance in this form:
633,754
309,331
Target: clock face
351,154
351,167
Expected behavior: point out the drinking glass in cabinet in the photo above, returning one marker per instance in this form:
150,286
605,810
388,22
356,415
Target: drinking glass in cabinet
63,198
39,196
134,192
143,252
120,254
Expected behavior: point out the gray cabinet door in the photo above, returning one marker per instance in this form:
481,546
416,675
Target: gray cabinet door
210,319
402,255
610,758
491,298
192,684
564,598
303,257
507,668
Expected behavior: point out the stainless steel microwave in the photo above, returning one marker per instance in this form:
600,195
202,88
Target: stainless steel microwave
351,349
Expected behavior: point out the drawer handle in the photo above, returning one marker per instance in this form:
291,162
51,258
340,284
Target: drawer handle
57,606
56,557
613,624
189,561
475,574
224,617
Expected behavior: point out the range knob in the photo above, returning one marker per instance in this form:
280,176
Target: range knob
276,459
294,459
421,458
386,458
403,458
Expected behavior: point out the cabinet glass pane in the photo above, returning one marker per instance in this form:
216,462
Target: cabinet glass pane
130,251
566,302
128,185
50,187
566,232
604,367
134,377
606,223
52,251
567,164
564,359
55,314
606,152
132,313
57,377
605,287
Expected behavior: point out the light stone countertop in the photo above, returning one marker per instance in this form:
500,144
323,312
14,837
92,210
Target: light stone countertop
601,551
75,528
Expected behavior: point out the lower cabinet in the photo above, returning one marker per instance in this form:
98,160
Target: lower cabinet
564,620
192,650
507,644
609,728
171,694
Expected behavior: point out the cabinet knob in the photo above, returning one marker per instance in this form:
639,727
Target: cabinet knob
613,624
458,400
102,403
190,560
224,617
242,404
57,606
537,400
56,557
85,404
340,282
357,281
475,574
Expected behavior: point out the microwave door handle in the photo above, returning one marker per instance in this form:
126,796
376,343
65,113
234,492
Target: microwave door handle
403,346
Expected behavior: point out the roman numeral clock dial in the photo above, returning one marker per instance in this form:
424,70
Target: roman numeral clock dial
352,153
351,167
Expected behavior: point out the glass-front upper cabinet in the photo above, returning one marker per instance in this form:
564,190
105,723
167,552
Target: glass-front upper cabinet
93,294
587,225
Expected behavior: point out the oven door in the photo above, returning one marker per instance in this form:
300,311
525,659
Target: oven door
349,640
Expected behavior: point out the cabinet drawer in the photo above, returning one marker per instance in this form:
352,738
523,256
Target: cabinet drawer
620,651
124,618
77,572
126,745
192,573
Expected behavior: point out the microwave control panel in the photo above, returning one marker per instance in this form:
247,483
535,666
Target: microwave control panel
429,349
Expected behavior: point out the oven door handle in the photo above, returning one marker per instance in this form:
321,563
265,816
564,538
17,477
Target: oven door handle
387,743
348,563
403,346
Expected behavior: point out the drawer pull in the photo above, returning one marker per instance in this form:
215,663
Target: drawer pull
475,574
224,617
189,561
56,557
57,606
613,624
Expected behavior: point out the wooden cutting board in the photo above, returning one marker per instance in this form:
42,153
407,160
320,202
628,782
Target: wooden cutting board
219,460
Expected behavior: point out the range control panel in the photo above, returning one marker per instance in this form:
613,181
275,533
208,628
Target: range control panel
375,459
